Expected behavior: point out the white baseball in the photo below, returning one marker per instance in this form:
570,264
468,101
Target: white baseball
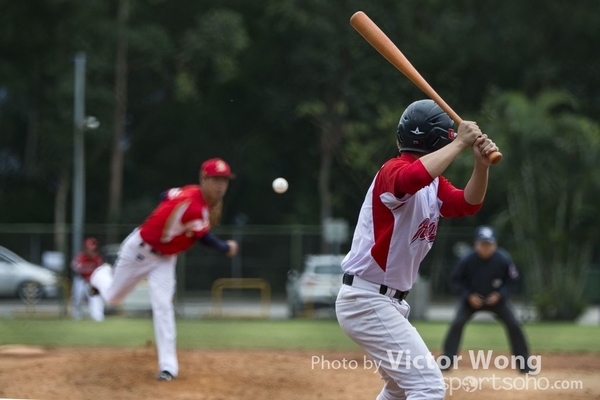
280,185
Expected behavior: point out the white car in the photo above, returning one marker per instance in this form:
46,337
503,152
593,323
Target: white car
316,286
29,282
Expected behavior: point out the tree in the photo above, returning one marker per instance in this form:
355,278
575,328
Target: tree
120,114
547,182
37,72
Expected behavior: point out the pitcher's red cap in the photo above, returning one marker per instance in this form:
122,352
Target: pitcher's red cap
216,167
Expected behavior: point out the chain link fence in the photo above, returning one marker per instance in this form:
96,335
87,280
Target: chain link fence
266,252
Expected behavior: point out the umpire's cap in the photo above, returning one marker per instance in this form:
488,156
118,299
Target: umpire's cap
485,234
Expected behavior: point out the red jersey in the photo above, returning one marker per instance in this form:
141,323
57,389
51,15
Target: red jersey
84,264
180,219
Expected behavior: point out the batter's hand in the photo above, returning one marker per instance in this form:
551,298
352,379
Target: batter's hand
468,132
482,147
233,248
492,298
475,300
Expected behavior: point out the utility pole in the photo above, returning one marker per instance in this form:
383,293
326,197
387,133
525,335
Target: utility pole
78,155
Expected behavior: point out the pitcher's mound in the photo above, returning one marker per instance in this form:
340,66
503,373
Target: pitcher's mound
21,350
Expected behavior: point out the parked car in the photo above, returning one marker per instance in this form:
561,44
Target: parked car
29,282
317,286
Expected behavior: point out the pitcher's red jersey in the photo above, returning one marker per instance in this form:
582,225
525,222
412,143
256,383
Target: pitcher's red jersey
178,221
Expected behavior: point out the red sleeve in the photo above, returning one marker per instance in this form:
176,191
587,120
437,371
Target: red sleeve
409,178
453,201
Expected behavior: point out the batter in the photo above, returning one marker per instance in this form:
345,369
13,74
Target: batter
396,228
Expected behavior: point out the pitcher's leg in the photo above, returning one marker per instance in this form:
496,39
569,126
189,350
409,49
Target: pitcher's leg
102,279
126,276
161,284
115,283
96,306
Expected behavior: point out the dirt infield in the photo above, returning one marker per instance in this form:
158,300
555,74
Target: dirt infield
251,375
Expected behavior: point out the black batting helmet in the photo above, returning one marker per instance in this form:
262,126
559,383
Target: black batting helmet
424,127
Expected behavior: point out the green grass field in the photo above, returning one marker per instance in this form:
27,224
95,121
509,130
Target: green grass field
284,334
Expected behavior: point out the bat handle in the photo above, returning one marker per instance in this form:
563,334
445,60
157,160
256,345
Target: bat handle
495,157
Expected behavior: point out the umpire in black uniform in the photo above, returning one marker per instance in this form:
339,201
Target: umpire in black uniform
485,278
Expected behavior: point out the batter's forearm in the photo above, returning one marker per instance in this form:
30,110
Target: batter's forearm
477,186
436,163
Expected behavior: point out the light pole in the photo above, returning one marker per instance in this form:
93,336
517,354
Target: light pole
78,155
80,123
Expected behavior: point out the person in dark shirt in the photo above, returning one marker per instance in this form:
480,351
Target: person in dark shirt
485,279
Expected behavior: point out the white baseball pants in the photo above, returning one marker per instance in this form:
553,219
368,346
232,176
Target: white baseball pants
134,263
380,326
79,295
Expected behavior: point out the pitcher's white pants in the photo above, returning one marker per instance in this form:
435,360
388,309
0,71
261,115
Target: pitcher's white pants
133,264
380,326
79,294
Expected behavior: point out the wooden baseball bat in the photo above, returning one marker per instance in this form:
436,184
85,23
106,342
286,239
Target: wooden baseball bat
379,40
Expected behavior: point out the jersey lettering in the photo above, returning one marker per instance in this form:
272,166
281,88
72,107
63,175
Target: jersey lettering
427,230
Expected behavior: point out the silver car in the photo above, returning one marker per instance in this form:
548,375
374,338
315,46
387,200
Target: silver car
316,286
29,282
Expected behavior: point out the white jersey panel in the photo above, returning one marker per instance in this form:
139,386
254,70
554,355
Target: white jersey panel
414,227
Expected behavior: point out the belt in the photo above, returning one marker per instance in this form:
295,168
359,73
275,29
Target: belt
353,280
152,250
